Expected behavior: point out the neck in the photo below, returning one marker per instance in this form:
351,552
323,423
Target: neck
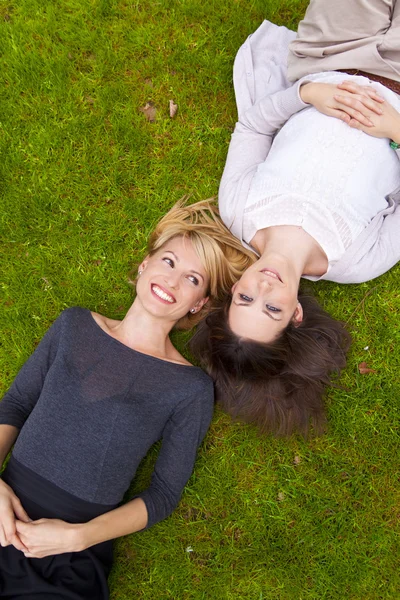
144,332
294,246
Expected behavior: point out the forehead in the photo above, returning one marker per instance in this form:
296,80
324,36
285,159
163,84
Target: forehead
251,323
185,254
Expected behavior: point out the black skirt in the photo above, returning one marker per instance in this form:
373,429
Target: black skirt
70,576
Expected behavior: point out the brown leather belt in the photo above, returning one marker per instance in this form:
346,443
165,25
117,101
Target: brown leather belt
389,83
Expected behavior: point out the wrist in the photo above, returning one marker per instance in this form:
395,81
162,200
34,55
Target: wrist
79,537
305,92
395,137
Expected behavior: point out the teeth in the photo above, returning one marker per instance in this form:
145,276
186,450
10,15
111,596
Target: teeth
161,294
271,274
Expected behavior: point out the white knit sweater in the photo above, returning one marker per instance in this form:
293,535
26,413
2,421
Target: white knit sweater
266,100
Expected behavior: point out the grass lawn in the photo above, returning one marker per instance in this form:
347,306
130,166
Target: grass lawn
84,176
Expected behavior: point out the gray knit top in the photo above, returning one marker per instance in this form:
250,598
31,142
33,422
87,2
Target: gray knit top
89,408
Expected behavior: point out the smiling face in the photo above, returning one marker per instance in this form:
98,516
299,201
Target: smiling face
173,281
264,301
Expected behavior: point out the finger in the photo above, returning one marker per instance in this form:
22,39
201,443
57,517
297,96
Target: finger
365,90
16,542
360,102
3,542
357,125
353,112
368,100
339,114
9,527
19,510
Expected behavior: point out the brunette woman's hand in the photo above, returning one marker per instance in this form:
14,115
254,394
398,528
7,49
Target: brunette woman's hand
47,537
357,105
11,509
384,124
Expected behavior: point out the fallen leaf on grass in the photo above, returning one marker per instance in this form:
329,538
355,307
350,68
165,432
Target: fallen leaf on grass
297,460
173,109
149,112
281,497
363,369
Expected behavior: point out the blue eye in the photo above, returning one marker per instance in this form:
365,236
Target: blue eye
245,298
273,308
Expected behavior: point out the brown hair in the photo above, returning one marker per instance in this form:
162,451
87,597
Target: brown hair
278,386
221,254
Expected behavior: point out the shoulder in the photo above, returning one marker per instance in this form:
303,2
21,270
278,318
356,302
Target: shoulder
198,391
69,319
75,314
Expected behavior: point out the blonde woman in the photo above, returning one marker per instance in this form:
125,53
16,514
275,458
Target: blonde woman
88,404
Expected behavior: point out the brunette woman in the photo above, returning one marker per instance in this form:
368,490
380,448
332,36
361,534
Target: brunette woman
312,197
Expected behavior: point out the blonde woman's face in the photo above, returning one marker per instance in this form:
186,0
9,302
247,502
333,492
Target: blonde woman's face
173,281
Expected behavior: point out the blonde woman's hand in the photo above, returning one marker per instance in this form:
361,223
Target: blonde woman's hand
357,106
384,124
47,537
11,509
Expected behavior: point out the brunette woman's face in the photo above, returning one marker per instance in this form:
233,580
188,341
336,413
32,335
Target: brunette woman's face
173,281
264,301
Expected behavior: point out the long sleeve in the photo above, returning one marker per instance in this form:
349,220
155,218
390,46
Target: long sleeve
375,251
182,436
25,390
265,101
249,147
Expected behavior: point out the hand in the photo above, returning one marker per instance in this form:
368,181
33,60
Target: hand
385,124
10,509
47,537
358,105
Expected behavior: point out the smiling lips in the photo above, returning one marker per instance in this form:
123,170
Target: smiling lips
161,294
271,273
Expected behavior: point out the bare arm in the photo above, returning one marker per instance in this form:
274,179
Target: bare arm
8,435
52,536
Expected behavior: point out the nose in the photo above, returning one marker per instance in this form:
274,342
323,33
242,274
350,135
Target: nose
172,280
265,282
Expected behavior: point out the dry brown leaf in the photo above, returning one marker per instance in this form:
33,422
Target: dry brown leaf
149,112
297,460
173,109
363,369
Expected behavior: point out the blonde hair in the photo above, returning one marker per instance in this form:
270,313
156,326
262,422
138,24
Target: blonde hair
222,255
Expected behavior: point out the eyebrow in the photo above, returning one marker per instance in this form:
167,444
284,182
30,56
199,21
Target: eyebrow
177,260
264,311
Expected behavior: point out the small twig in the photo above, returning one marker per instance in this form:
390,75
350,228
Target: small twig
361,302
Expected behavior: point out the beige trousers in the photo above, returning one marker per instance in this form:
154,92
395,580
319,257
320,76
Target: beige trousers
347,34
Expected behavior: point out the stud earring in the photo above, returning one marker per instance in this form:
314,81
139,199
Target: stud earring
192,310
140,272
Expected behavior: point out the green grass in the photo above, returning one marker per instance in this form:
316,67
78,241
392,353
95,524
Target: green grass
83,179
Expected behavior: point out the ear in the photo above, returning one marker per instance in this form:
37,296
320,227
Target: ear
199,305
297,315
143,264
